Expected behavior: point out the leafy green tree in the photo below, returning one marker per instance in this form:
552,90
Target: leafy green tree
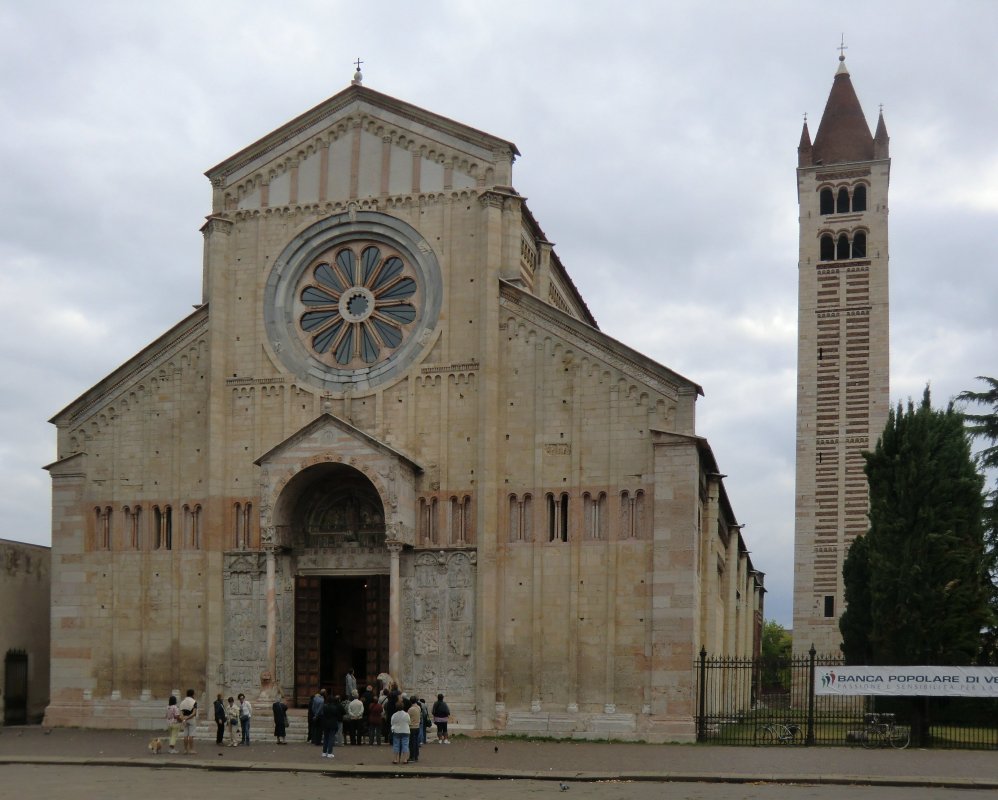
776,647
985,427
927,581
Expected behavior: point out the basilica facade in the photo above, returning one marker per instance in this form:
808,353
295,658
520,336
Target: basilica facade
392,438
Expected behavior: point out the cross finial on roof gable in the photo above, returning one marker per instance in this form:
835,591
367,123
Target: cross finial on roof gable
842,48
358,76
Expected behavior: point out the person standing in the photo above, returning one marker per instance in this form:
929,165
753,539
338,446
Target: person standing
441,713
355,714
351,684
314,719
232,717
399,723
424,719
172,722
331,716
245,715
415,728
189,718
280,719
375,715
219,708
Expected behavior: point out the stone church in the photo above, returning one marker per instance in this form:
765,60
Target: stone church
392,438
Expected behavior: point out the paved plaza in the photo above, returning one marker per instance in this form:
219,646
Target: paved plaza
571,763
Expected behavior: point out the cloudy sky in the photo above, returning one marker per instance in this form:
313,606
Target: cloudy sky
658,147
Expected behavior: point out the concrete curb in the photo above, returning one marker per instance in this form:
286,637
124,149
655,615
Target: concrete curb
473,773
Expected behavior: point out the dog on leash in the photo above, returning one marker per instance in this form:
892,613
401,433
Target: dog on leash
156,746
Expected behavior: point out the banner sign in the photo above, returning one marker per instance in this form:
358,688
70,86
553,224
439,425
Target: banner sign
908,681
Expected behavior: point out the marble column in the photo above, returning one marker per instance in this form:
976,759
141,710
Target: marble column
395,611
271,587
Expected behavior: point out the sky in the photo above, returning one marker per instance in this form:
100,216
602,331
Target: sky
658,144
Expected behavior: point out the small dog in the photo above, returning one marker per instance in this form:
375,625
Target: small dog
156,746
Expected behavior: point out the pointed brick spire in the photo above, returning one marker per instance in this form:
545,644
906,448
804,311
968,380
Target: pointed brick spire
804,149
843,134
881,141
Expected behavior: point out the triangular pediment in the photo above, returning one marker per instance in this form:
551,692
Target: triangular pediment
328,433
360,144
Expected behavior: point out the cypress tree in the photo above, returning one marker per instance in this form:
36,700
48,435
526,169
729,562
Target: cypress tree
927,579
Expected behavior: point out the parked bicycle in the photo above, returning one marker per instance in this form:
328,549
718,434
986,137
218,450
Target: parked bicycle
780,733
881,730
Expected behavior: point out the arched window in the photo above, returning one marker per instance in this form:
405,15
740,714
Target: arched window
240,539
527,519
639,514
827,248
552,508
134,517
515,524
842,204
163,520
458,520
859,245
827,201
557,518
859,198
428,520
467,530
842,248
564,517
196,528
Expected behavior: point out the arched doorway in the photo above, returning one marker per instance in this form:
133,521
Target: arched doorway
334,519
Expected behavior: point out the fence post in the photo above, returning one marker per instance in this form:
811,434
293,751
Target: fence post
810,696
701,697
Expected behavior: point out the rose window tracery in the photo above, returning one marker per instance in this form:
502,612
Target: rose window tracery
358,305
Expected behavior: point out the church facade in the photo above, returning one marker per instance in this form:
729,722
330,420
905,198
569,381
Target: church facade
843,350
391,438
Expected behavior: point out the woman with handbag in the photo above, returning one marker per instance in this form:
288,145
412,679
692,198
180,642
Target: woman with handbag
280,719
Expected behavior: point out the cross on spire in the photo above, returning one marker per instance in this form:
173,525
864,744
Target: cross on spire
357,63
842,48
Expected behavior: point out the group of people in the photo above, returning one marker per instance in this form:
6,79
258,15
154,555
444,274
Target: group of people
182,717
232,721
386,716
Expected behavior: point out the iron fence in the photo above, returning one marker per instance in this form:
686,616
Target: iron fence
759,701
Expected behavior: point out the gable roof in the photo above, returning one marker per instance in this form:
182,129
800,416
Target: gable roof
357,93
143,362
325,419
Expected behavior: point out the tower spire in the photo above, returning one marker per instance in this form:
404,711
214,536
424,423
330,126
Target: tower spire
843,134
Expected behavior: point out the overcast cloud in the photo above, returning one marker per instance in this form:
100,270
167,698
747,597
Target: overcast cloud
658,147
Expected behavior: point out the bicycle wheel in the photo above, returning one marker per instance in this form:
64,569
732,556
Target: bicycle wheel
795,735
900,737
871,737
767,735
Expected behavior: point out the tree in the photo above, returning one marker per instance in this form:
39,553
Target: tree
985,427
855,623
777,644
927,581
923,568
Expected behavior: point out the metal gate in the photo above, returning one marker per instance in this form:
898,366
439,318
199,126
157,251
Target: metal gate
15,691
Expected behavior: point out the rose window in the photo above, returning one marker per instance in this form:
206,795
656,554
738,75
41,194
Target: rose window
357,307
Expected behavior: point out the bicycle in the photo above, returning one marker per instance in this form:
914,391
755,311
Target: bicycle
881,730
780,733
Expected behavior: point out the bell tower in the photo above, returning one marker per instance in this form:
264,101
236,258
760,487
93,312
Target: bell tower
842,349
